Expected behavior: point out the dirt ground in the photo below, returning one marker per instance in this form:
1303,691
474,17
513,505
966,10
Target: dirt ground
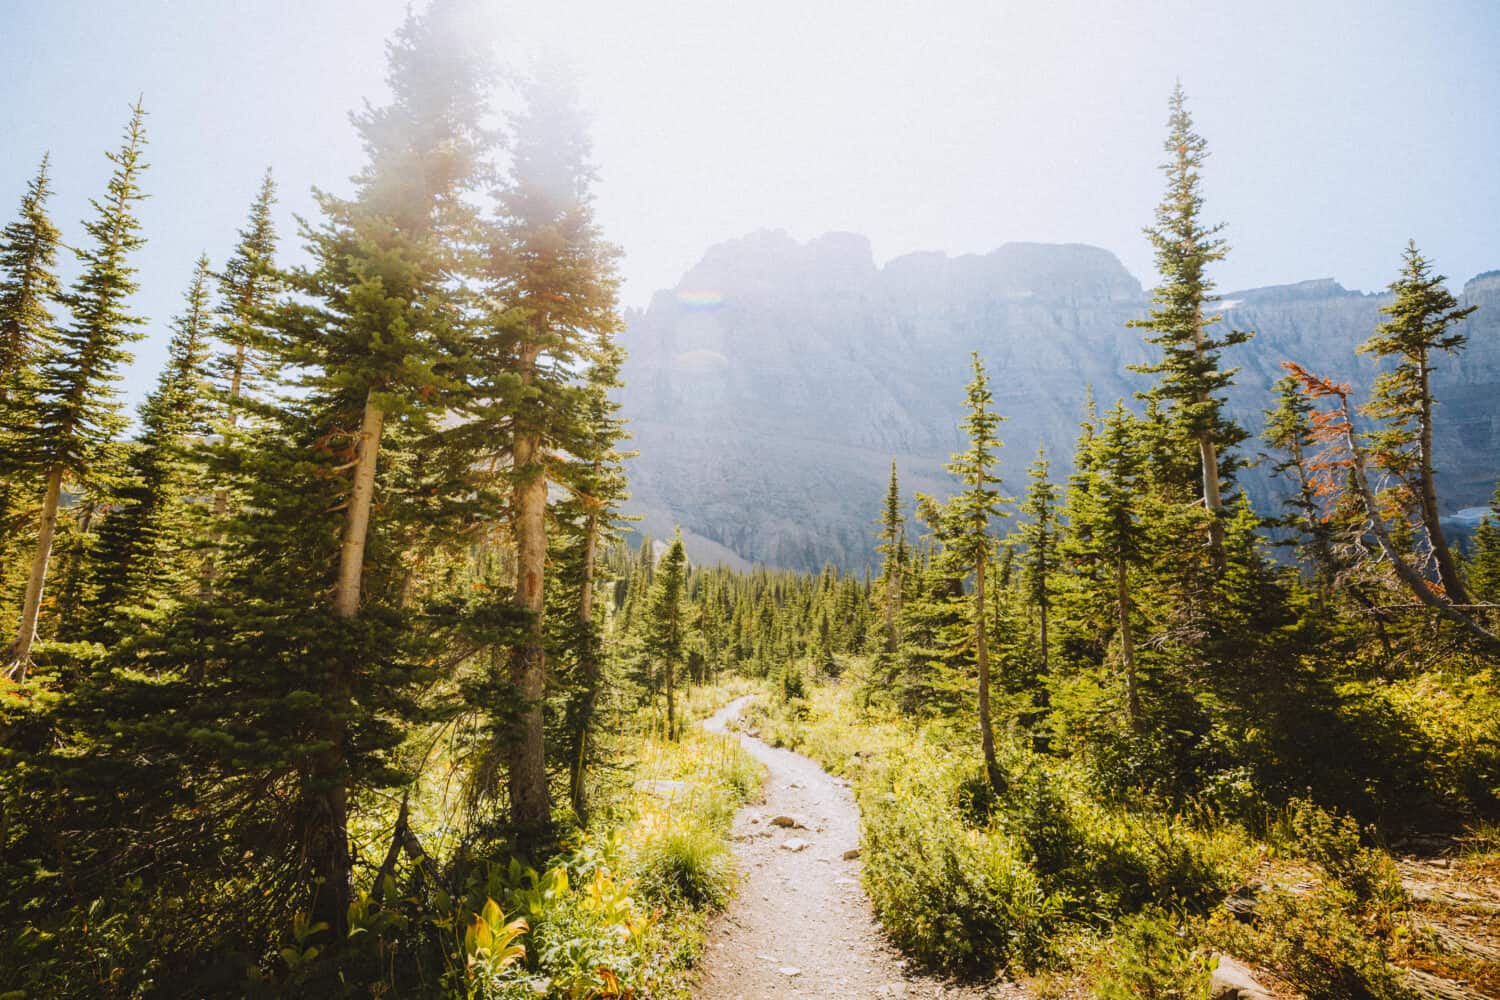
800,925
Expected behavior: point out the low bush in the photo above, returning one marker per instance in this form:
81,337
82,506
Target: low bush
687,863
1153,955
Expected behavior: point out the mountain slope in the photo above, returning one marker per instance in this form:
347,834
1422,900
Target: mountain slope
770,389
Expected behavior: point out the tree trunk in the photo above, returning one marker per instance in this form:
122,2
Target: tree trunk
1209,457
1042,610
357,524
982,655
530,807
20,651
329,841
1127,644
588,668
1447,570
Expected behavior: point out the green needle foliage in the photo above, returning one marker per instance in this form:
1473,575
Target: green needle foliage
1190,381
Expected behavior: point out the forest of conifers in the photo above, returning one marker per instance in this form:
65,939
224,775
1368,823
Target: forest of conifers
339,671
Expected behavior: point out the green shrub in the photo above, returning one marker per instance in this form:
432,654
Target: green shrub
950,894
1318,942
1332,842
1153,955
686,863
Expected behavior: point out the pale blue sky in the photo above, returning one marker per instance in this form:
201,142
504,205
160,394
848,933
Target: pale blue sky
1337,129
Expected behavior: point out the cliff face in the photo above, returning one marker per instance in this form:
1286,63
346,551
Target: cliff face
770,389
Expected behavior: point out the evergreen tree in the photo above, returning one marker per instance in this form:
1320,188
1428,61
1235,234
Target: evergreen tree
75,416
28,285
665,627
1189,376
1038,534
247,288
891,547
963,526
589,520
1484,564
1107,532
144,540
1289,430
1419,327
553,275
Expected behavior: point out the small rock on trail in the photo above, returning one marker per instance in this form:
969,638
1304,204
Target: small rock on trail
800,925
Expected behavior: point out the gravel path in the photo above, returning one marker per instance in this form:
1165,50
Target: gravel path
800,925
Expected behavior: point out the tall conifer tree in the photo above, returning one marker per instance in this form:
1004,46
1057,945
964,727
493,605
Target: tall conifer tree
963,525
1038,534
247,288
1190,378
28,287
76,416
891,546
1419,327
144,539
552,276
665,628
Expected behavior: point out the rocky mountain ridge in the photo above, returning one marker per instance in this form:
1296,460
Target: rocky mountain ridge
769,391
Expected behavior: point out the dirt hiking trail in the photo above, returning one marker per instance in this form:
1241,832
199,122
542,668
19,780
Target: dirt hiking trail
800,924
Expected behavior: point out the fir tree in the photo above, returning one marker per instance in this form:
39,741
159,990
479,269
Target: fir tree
892,543
590,517
28,286
1189,376
553,276
665,626
247,287
144,541
380,329
75,416
963,526
1108,533
1419,327
1289,430
1038,533
1484,564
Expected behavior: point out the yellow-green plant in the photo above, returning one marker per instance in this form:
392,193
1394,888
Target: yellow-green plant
489,945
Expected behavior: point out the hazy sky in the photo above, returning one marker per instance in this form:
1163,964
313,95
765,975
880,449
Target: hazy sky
1337,129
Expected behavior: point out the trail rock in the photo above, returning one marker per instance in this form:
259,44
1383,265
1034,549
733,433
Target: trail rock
1233,981
851,854
790,822
795,844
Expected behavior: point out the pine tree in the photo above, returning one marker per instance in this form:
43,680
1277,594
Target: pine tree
1289,430
247,288
589,518
75,415
553,275
963,526
665,625
892,543
1107,533
379,324
1484,564
1344,464
1402,399
143,542
28,285
1038,534
1189,374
